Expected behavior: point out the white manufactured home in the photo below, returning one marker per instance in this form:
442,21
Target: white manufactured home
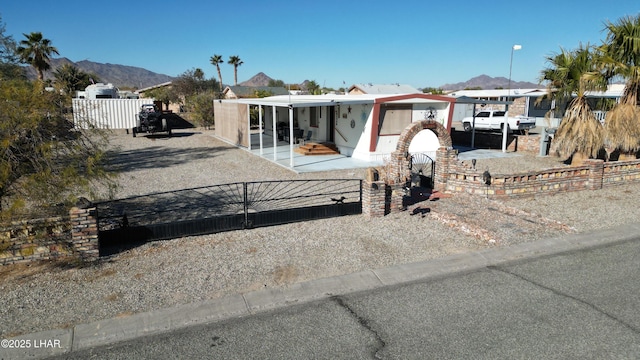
364,127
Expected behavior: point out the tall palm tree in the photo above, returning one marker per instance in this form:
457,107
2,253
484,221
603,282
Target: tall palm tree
621,57
36,51
216,60
569,77
235,61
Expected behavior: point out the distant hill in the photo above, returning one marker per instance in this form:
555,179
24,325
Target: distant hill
259,79
489,83
121,76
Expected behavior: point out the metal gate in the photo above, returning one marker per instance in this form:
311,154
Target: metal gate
217,208
423,169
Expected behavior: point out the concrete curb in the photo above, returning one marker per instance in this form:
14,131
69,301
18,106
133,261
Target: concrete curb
109,331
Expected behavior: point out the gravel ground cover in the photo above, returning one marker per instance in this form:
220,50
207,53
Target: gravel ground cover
161,274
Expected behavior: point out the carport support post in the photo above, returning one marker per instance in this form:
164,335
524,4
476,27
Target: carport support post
291,136
505,127
260,126
249,124
473,128
275,133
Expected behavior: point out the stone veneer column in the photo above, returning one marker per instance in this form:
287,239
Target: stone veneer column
374,198
445,158
84,232
596,173
399,174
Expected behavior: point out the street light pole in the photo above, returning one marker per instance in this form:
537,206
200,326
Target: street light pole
506,110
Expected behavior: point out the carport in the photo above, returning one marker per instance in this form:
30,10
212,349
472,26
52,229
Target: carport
474,102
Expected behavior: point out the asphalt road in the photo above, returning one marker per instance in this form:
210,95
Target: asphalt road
582,304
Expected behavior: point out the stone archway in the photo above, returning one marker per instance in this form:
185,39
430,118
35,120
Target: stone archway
382,196
400,171
412,130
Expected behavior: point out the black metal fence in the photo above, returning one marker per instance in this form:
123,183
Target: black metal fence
217,208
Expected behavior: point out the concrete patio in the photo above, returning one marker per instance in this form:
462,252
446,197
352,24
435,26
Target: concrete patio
315,163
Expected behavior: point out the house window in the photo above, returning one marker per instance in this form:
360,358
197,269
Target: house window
313,117
394,119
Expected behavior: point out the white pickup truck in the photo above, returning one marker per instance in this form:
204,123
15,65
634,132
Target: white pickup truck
495,119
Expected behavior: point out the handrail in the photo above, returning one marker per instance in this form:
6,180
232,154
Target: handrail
339,133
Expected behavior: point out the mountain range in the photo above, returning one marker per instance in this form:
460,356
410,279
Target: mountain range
486,82
123,76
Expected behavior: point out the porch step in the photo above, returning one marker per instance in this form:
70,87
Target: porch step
313,148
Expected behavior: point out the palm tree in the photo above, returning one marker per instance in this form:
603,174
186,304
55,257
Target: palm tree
36,50
69,78
570,75
216,60
235,61
313,88
621,57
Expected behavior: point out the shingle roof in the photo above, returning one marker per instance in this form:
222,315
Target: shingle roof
385,89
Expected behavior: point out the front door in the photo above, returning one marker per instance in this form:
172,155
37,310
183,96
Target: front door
332,123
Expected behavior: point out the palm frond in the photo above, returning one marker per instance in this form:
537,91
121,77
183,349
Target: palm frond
579,131
622,127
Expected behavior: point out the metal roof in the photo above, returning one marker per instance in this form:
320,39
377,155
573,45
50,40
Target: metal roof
333,99
468,100
613,91
497,93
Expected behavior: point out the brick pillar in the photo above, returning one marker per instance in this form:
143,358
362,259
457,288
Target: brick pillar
84,232
396,180
445,158
373,194
596,173
395,197
398,168
374,198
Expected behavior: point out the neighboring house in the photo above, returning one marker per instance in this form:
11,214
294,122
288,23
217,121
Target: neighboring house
173,107
141,92
361,89
239,92
365,127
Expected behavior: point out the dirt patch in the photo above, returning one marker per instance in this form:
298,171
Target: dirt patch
285,274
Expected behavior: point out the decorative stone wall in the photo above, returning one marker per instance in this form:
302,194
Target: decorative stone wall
75,236
35,239
452,176
525,144
593,175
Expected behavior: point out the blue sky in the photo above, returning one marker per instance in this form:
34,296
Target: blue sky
420,43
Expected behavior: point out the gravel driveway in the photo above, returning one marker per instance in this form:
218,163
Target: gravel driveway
161,274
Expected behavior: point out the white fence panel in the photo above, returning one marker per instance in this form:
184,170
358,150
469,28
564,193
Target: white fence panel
107,113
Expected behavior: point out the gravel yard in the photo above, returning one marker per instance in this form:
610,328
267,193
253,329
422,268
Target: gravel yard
161,274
